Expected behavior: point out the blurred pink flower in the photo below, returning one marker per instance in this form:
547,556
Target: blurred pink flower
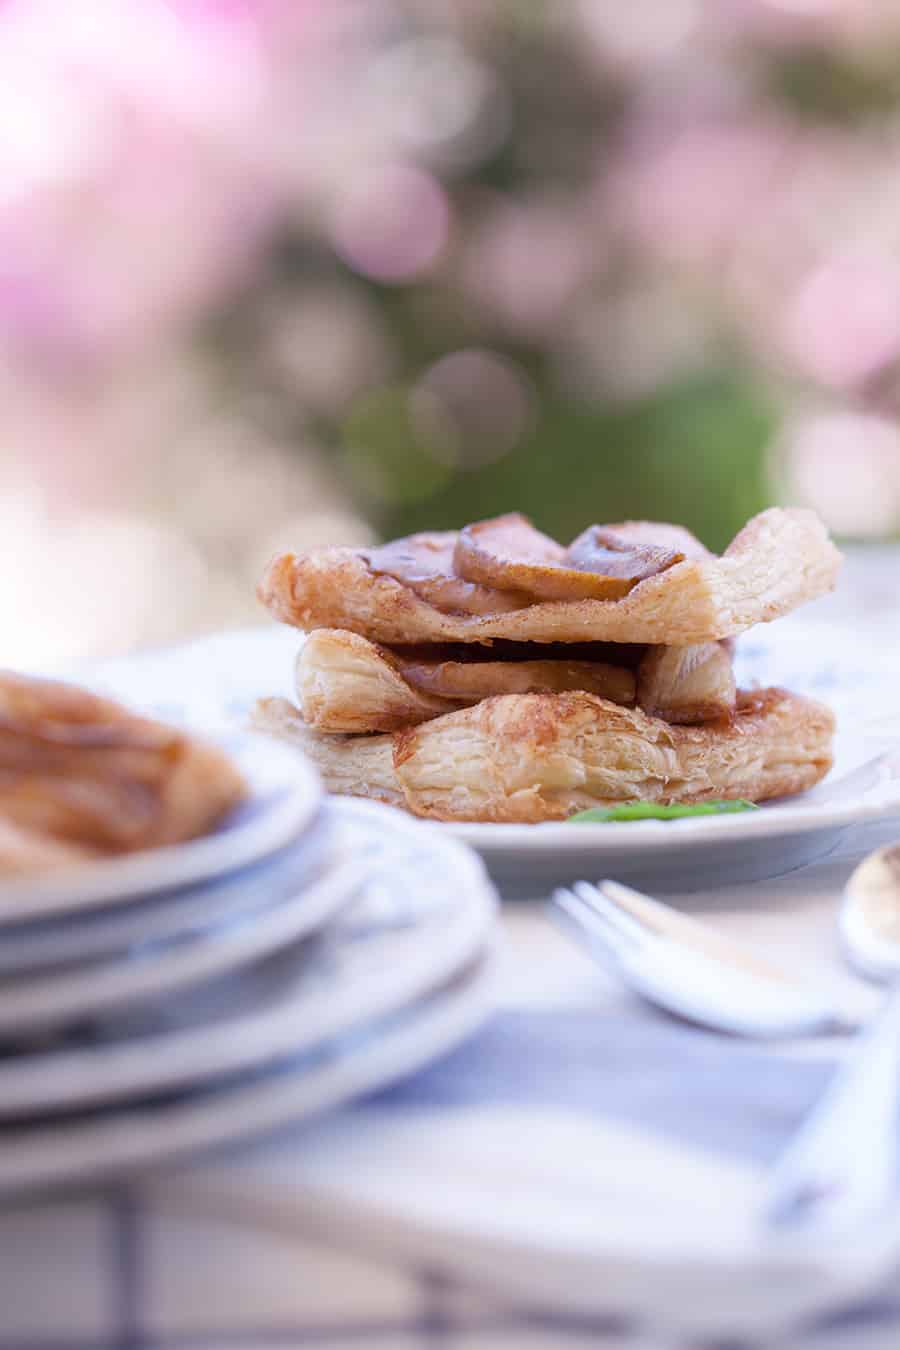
842,326
132,189
817,249
686,196
524,260
846,465
858,28
635,39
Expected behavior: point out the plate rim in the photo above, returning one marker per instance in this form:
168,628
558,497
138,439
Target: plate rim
659,835
64,1072
168,916
87,990
138,1135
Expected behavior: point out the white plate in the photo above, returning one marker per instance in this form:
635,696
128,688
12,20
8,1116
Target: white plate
69,1152
839,666
221,677
78,994
690,854
425,910
169,916
285,795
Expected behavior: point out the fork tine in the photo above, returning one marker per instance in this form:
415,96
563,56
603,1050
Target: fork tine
587,926
599,946
615,889
605,907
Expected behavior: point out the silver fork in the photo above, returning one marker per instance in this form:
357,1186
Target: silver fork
679,964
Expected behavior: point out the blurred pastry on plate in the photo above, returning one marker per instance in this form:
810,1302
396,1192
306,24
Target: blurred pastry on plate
493,674
82,777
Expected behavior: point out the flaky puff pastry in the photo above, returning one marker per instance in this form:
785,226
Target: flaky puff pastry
345,683
536,757
779,560
82,777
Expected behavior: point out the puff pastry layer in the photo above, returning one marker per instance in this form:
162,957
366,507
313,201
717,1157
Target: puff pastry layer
347,684
779,560
536,757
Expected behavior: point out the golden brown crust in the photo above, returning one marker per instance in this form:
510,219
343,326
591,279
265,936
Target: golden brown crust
82,777
536,757
780,559
352,766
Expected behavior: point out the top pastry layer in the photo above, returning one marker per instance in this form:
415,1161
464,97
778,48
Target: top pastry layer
778,561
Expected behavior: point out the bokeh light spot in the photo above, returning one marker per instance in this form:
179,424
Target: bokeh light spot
429,95
630,37
846,465
383,454
325,343
392,223
311,529
524,260
471,407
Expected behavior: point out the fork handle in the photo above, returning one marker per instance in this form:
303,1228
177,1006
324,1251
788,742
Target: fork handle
843,1167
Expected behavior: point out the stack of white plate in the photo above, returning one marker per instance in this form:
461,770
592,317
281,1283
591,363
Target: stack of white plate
177,999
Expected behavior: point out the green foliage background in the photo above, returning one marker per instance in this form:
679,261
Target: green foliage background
693,445
694,452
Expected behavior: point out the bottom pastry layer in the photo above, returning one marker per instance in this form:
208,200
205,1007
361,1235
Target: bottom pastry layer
527,758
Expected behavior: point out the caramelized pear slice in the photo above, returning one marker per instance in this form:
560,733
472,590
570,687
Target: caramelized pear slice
656,533
471,681
687,685
509,553
424,563
620,556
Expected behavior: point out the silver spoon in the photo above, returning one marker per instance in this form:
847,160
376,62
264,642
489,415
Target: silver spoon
869,920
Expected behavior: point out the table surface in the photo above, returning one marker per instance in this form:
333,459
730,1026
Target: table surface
140,1267
119,1268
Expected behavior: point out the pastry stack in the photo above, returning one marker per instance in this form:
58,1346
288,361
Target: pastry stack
494,674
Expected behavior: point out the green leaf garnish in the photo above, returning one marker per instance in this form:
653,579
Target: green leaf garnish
652,811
